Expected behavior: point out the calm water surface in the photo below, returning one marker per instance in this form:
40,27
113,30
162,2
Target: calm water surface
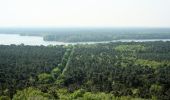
8,39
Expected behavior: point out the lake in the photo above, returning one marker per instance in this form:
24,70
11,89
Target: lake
8,39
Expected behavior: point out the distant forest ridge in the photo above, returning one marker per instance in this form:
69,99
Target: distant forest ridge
90,34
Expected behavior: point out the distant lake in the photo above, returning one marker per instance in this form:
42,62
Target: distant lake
8,39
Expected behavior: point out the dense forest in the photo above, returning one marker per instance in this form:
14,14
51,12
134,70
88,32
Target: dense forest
104,71
20,65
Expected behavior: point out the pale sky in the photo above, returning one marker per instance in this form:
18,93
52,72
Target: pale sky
84,13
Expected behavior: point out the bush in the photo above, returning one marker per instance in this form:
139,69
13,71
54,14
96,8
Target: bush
55,73
4,98
32,94
45,78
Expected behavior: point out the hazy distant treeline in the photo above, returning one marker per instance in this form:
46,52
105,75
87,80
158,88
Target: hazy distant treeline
97,37
91,34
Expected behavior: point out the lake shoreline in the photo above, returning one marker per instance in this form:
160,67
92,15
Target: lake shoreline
17,39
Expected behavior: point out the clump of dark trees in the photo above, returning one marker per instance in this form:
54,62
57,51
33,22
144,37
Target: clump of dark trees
20,65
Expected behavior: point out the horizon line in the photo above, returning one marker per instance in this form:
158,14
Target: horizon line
53,27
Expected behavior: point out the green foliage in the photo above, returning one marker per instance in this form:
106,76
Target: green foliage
55,72
103,68
31,94
98,96
153,64
4,98
135,92
59,82
45,78
82,95
112,71
130,48
155,89
77,94
20,65
63,94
